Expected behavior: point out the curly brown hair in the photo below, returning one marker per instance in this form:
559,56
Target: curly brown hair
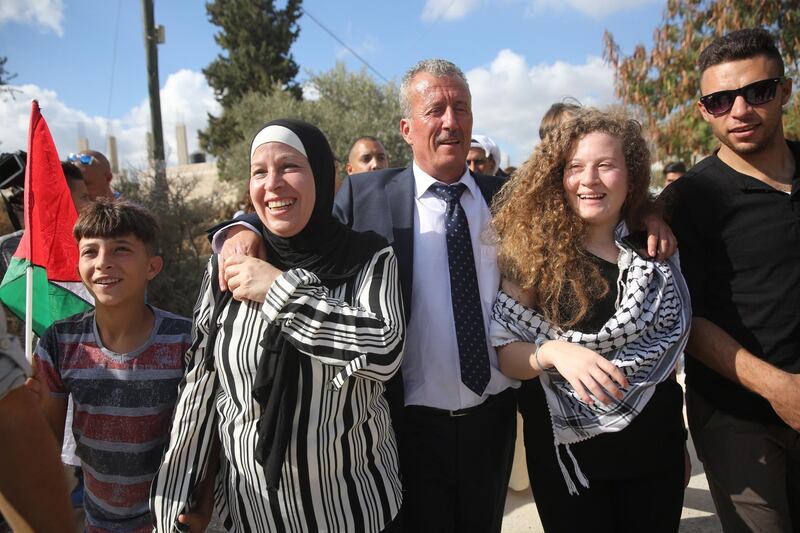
539,236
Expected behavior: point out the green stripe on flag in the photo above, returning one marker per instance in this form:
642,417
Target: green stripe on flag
50,301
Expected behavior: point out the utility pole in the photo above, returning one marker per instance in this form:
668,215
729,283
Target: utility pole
151,40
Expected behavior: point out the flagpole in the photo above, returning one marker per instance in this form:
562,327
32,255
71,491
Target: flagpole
35,116
29,313
46,260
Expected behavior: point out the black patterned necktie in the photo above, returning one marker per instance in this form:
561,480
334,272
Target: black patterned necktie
467,309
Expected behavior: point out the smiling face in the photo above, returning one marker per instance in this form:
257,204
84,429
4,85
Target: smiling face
282,188
596,180
745,129
116,270
440,126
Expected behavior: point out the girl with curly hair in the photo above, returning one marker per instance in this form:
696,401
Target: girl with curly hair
594,326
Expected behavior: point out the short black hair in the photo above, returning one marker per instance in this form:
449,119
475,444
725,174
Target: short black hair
106,219
675,166
740,44
369,138
366,138
71,172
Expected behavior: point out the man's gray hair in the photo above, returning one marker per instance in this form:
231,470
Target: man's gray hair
438,68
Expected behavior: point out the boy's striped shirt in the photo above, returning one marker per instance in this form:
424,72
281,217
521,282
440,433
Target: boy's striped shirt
123,407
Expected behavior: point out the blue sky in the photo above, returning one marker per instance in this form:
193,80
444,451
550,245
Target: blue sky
85,61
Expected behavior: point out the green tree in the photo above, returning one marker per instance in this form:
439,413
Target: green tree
348,106
183,218
256,38
355,104
663,84
5,77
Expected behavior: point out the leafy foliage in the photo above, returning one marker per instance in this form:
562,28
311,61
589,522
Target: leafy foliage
349,105
182,239
256,38
5,76
663,84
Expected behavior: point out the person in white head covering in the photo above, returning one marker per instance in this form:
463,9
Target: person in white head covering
484,156
281,418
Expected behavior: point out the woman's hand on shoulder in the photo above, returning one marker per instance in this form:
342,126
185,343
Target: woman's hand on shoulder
515,291
239,240
586,370
249,278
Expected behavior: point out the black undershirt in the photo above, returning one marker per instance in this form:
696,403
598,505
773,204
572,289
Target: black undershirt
739,243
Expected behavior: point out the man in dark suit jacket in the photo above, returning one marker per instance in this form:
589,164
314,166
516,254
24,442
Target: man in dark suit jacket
383,201
455,452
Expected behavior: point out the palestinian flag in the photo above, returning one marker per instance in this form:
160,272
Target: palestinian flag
47,243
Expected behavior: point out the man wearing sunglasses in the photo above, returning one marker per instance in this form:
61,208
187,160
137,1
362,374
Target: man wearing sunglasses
737,218
96,173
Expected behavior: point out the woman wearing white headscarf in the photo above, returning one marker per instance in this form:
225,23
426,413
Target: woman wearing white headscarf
282,405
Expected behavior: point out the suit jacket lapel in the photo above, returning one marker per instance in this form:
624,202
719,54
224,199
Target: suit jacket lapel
400,196
489,186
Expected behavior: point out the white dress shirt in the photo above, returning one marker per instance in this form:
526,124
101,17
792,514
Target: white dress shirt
431,366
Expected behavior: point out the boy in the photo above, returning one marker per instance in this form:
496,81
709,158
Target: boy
77,185
121,363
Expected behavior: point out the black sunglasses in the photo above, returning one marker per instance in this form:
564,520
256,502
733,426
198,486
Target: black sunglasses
756,93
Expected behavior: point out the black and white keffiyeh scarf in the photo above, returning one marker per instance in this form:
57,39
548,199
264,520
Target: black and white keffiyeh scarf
644,338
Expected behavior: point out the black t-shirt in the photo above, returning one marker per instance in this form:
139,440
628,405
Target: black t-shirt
653,441
739,244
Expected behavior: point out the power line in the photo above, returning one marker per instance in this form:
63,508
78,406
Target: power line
338,40
441,14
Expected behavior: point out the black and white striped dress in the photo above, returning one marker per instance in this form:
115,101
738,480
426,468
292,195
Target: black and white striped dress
340,472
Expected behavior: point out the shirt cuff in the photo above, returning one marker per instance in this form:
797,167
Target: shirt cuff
222,234
283,288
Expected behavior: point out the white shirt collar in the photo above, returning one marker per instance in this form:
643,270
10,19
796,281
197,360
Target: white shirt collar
423,181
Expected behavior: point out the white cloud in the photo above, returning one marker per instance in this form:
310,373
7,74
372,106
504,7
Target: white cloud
435,10
310,91
185,97
510,97
448,9
592,8
47,13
